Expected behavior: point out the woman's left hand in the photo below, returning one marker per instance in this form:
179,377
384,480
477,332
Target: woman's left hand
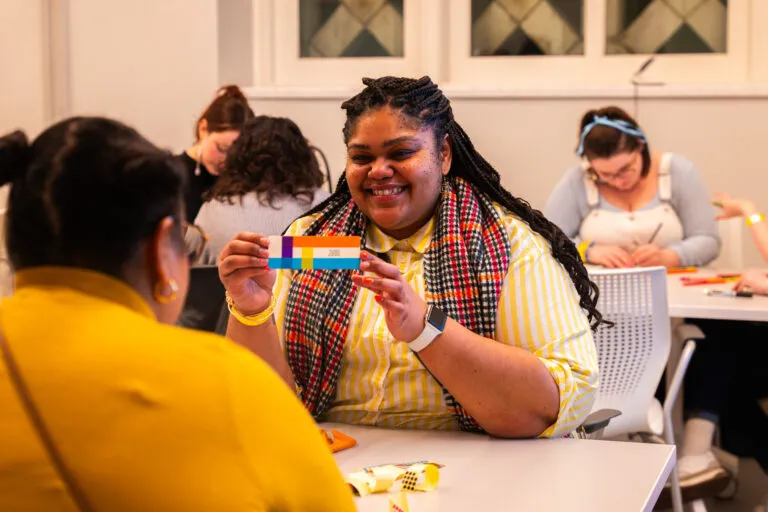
753,280
651,255
403,308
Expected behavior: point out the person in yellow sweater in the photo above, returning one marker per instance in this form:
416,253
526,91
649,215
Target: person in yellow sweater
105,404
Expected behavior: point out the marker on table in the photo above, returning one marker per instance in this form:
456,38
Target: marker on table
693,281
682,270
729,293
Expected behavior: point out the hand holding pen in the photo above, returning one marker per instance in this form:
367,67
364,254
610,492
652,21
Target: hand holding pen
651,255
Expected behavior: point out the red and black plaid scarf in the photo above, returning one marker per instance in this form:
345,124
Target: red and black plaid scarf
464,270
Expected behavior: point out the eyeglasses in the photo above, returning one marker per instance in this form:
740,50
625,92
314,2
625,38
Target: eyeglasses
615,176
195,241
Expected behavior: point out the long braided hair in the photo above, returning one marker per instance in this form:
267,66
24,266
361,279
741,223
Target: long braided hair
422,100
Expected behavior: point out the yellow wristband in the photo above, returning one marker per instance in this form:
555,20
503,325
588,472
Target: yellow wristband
582,248
755,218
251,320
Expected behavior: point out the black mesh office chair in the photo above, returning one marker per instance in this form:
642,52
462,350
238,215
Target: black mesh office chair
206,307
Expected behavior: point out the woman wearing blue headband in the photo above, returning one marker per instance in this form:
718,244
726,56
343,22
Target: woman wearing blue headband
627,206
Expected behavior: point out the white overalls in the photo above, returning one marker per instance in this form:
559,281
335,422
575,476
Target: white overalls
609,225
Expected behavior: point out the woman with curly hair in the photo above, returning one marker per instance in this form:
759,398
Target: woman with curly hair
269,179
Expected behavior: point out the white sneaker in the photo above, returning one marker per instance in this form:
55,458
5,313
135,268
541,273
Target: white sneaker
701,476
693,467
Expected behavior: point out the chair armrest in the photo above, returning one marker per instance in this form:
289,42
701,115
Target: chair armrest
598,420
685,332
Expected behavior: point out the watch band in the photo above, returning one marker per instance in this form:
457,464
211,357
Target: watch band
424,339
434,323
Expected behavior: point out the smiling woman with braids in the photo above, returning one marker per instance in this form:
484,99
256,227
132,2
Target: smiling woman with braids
443,239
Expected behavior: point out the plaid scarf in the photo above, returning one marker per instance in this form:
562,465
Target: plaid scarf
464,271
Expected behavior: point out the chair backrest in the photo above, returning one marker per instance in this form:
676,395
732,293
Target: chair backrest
731,250
632,354
205,300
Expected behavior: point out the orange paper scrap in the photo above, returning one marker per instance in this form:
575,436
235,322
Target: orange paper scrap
338,441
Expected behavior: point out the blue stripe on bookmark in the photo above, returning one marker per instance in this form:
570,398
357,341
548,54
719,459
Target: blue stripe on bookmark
336,263
317,263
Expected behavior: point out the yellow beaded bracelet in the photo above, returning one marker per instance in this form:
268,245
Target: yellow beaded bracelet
755,218
251,320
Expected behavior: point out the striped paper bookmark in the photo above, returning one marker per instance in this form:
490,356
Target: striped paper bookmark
314,252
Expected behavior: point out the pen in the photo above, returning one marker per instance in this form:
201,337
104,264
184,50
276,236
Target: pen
653,236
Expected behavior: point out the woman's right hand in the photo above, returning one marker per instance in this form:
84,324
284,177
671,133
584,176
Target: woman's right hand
610,256
244,271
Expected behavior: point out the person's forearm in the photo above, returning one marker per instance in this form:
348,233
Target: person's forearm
508,390
760,234
670,258
263,341
696,250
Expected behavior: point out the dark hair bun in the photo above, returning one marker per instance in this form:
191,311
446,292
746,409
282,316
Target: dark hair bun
232,91
15,154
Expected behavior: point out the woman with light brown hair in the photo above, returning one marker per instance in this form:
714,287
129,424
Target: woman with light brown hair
215,131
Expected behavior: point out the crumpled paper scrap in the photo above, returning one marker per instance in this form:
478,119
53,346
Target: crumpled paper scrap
422,477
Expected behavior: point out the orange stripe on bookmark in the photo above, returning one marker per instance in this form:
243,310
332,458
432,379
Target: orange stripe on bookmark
326,241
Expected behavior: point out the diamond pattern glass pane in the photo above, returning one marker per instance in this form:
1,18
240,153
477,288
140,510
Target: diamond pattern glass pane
666,26
527,27
351,28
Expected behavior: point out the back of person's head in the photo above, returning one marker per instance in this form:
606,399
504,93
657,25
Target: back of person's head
92,193
609,131
422,102
272,159
228,111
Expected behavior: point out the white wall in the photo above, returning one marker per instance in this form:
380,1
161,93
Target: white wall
152,64
23,64
235,27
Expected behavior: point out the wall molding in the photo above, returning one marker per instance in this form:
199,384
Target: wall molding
671,91
58,102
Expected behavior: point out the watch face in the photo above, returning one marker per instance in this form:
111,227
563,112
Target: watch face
437,317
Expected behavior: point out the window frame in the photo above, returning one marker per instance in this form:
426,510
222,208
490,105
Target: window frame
435,31
594,67
289,69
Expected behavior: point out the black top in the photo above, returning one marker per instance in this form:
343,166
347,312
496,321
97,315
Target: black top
196,185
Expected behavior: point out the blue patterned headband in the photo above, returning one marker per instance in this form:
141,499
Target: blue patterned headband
618,124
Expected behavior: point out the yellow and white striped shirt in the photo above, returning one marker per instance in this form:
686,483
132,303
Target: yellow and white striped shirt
383,383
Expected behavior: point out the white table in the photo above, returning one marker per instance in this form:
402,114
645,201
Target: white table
486,474
691,302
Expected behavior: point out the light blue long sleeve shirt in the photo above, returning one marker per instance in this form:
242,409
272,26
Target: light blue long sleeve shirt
567,207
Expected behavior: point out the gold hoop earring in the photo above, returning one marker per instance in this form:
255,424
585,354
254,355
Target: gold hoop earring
159,294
